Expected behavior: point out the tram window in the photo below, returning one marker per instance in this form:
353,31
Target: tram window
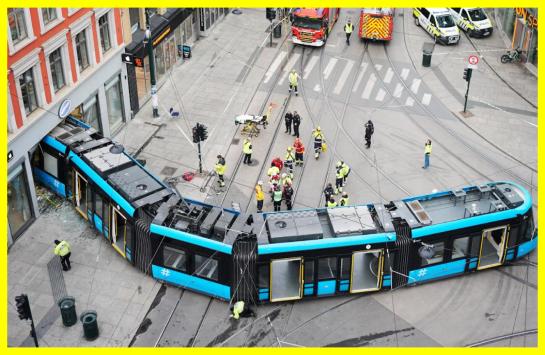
263,276
460,248
438,249
528,234
174,258
98,205
51,164
70,182
345,268
128,235
106,220
327,268
206,267
513,236
475,245
309,271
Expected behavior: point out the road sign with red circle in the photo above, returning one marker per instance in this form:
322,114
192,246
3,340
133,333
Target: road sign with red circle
473,59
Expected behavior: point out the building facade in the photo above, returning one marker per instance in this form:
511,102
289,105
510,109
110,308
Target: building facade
56,54
520,27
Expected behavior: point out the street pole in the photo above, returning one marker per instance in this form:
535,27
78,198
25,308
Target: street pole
467,92
200,160
33,332
271,31
151,58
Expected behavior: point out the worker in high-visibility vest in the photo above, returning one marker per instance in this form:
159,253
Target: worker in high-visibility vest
344,199
331,203
286,180
345,169
219,168
339,180
328,192
63,250
259,196
247,150
274,176
293,79
348,29
318,141
427,153
299,151
290,158
267,116
277,198
240,310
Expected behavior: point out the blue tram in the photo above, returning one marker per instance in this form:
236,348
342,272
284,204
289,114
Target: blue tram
281,256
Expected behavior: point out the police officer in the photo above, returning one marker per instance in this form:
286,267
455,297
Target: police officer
293,78
345,169
331,203
369,130
299,151
259,196
220,170
328,192
296,123
318,140
290,158
339,178
344,199
277,198
348,29
63,250
247,150
288,195
287,119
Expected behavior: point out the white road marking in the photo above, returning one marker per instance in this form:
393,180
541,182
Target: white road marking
287,68
344,75
426,99
329,68
274,66
311,63
369,87
415,85
316,87
530,123
404,73
378,67
360,76
409,102
380,95
398,90
389,75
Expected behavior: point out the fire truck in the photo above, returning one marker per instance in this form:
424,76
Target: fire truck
311,27
376,24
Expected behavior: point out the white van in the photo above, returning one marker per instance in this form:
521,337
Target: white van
439,23
472,20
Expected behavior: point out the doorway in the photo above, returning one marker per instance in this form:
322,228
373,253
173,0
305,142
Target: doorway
80,197
366,271
492,252
286,279
118,231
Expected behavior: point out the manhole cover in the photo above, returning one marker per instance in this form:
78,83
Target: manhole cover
168,171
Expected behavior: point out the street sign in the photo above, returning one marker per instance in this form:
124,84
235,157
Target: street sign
473,60
127,58
65,109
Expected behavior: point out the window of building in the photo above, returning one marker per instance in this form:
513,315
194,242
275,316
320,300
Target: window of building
19,211
17,25
104,29
114,101
206,267
28,91
327,268
174,258
49,15
134,18
57,70
81,50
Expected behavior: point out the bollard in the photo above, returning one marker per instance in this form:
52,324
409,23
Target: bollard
90,326
277,32
68,311
427,50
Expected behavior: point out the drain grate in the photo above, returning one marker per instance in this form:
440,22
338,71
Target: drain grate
168,171
58,287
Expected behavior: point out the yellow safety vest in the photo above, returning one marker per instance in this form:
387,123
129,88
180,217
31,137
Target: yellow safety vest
345,169
273,170
62,249
220,169
331,204
290,156
344,201
428,149
237,309
247,147
339,174
293,78
348,28
286,180
259,195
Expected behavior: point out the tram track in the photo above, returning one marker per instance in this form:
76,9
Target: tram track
502,337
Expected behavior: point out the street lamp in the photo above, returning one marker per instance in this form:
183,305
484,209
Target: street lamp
149,45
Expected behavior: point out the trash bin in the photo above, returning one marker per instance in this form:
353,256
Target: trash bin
277,31
68,311
186,51
427,50
90,325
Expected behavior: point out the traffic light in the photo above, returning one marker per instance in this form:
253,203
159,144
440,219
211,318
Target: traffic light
467,74
195,134
271,13
23,308
202,132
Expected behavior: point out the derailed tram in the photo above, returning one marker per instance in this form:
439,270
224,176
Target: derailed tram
281,256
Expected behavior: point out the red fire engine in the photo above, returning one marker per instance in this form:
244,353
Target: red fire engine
376,24
312,26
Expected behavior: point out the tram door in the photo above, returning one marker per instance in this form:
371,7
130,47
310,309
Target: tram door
118,230
366,270
286,279
492,252
80,197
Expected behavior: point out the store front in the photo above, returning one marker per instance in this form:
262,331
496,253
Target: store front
520,26
208,18
21,201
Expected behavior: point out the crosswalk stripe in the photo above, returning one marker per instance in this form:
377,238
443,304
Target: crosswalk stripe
389,75
380,95
415,85
369,87
378,67
398,90
311,63
274,66
316,87
344,75
404,73
329,68
409,102
360,76
426,99
288,67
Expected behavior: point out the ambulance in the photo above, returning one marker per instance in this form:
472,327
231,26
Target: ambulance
472,20
439,23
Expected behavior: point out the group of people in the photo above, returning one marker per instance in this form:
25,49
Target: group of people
342,170
280,183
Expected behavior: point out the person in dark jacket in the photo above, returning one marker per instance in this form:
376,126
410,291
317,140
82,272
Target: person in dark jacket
369,130
288,195
328,192
296,123
288,118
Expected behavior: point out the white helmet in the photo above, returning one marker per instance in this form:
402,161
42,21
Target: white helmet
284,175
260,182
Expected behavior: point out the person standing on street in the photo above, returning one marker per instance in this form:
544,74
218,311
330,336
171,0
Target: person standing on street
267,116
247,150
288,118
339,178
220,170
290,158
273,174
348,29
427,153
286,180
296,123
345,170
344,199
293,78
318,141
277,198
331,203
259,196
369,130
288,195
62,249
299,151
328,192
